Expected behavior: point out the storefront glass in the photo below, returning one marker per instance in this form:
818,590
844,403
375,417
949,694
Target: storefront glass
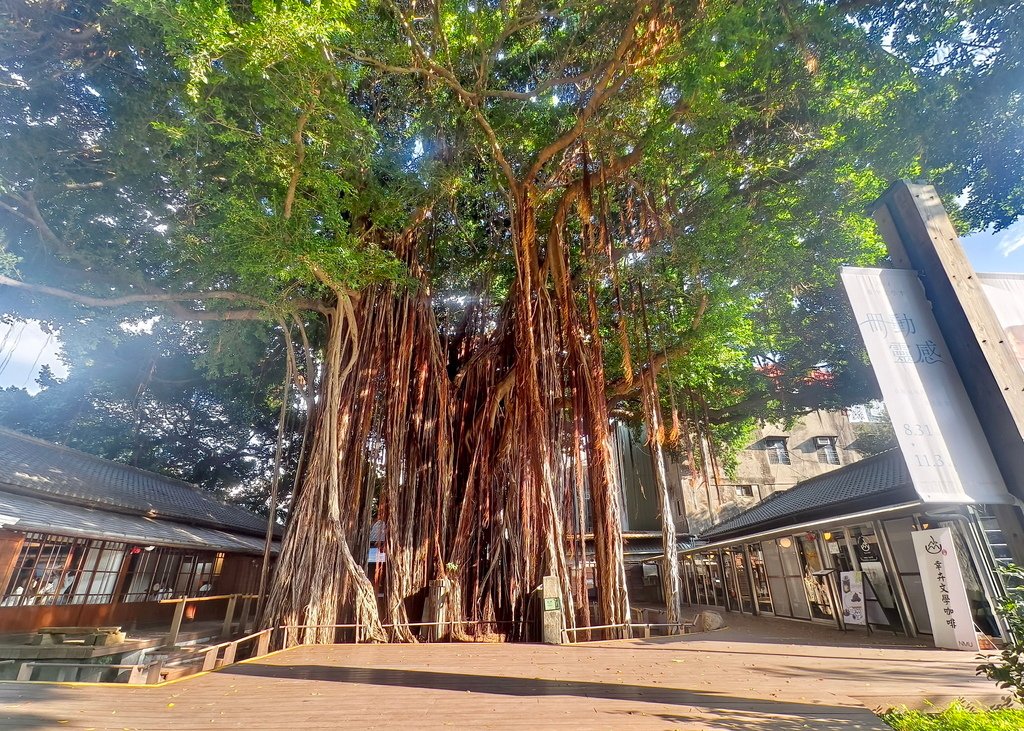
757,566
814,584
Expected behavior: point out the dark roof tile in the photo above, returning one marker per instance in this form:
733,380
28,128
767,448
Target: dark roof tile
859,482
33,466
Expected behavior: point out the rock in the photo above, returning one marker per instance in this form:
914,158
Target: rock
708,620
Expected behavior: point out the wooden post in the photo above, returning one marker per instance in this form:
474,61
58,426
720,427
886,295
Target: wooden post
153,672
243,617
229,654
137,675
25,672
263,645
179,614
229,615
210,658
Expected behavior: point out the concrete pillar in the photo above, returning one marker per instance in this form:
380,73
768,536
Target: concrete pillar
553,619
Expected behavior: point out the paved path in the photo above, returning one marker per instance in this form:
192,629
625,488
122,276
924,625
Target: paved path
743,677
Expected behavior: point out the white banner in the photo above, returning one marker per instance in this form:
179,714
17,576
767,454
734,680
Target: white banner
1005,292
946,452
944,592
851,589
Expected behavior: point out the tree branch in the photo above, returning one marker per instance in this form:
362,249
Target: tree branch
172,300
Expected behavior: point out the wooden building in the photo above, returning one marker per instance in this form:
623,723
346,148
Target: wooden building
89,542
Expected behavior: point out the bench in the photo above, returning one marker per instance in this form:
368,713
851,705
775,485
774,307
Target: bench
100,636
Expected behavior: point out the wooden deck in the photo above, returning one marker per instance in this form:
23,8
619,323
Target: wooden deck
737,678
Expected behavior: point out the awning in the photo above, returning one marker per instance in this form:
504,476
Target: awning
44,516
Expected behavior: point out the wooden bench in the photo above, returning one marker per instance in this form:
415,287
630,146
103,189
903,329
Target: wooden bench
101,636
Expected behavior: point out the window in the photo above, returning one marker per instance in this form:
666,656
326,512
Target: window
164,573
55,570
745,491
827,451
778,453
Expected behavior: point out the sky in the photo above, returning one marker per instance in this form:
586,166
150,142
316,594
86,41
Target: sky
24,347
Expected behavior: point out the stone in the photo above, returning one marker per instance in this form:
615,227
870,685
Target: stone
707,621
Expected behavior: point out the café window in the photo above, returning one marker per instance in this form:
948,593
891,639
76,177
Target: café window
57,570
166,573
828,453
745,491
778,452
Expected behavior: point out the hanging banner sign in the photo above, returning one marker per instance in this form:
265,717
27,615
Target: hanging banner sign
944,592
851,589
946,452
1005,292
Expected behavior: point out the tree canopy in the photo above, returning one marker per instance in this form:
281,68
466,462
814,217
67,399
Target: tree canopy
474,230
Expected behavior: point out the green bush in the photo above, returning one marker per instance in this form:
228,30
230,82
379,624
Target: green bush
1007,668
958,717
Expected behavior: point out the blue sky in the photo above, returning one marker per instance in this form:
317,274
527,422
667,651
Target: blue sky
997,252
24,347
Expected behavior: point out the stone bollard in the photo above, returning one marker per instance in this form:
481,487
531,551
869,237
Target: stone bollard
552,621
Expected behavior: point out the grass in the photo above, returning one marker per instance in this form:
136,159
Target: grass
958,717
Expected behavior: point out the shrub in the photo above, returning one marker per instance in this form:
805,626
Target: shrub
958,717
1007,669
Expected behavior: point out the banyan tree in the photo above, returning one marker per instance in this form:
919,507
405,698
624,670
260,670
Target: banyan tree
483,230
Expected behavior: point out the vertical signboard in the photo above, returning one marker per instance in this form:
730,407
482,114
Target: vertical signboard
944,592
851,589
946,452
1005,292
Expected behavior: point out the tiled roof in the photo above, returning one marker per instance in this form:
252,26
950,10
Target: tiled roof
45,516
41,469
868,483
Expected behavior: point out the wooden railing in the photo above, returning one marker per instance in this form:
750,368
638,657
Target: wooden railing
136,676
229,614
212,657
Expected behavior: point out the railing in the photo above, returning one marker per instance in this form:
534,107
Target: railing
136,676
443,627
628,627
216,656
212,657
229,614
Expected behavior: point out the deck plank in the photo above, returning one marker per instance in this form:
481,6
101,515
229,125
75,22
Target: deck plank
728,680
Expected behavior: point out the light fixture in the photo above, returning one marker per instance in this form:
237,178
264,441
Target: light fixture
147,549
827,536
785,541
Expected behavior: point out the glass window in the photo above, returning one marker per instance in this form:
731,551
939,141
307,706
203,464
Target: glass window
757,566
778,452
828,453
53,570
745,491
165,573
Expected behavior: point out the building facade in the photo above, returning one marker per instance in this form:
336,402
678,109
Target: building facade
778,557
89,542
777,458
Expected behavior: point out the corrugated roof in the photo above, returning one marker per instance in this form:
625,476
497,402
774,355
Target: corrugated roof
46,516
32,466
870,480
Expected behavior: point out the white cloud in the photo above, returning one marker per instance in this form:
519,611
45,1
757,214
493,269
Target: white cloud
1011,240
